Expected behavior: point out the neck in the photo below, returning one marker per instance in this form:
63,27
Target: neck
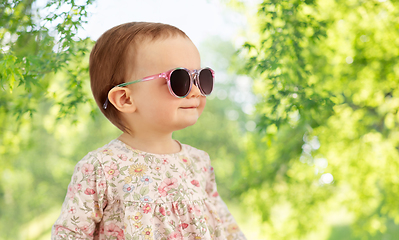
151,143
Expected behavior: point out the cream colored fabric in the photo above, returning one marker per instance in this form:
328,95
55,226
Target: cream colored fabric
117,192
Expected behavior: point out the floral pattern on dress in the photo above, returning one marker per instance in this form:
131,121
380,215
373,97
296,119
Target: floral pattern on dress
117,192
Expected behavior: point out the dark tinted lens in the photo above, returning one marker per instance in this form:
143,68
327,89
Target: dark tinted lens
206,81
180,82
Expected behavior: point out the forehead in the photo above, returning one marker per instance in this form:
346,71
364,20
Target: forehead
164,54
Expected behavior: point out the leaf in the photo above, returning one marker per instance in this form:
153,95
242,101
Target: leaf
172,190
123,169
144,190
168,175
136,196
176,197
168,231
128,236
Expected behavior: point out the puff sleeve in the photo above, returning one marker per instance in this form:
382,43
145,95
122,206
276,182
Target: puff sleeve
84,203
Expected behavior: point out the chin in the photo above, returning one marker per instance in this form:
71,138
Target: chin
187,124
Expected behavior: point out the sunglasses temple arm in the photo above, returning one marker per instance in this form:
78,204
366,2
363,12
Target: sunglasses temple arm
141,80
162,75
152,77
105,105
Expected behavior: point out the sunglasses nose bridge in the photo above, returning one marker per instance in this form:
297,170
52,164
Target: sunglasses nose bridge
195,76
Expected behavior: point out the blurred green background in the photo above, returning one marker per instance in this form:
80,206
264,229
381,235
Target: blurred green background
303,126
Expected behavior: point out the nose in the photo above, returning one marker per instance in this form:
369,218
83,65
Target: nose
194,92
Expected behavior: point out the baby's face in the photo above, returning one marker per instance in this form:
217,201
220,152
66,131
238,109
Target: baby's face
157,109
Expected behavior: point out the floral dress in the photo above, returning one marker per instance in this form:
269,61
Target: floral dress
117,192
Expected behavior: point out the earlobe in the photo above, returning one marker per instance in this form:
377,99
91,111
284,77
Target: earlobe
121,98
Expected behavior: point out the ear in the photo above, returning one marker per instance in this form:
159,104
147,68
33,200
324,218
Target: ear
121,98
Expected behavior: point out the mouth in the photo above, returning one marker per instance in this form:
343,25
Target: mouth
190,107
193,107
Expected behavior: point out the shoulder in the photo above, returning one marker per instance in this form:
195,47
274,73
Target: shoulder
110,149
100,155
195,152
113,149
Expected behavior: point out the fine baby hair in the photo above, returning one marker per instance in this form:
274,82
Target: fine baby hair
147,80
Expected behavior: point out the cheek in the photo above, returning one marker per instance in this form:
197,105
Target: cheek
167,107
202,105
158,101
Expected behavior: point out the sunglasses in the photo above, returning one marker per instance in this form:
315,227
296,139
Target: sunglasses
180,81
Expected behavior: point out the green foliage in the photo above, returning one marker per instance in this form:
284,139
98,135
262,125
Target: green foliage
329,98
31,52
31,49
42,65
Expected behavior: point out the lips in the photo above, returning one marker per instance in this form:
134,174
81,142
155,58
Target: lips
190,105
193,107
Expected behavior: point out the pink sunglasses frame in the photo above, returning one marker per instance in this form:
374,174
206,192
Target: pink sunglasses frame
194,79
